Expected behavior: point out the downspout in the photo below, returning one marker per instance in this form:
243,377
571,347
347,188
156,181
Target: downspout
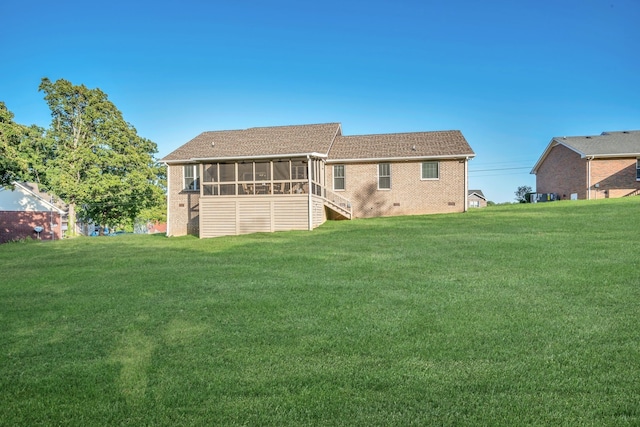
466,184
168,199
310,192
589,177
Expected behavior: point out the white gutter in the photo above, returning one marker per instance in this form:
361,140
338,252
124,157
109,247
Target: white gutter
260,157
611,155
399,159
589,177
466,184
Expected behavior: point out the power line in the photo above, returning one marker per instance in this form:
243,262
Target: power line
499,174
499,169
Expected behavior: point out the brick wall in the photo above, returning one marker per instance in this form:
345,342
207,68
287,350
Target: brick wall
20,225
562,172
183,206
565,172
409,195
615,178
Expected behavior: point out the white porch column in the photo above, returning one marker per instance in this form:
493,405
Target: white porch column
310,193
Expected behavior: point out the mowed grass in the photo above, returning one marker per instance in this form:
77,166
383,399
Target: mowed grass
506,316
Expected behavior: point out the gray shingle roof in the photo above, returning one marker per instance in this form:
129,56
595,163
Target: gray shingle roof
259,141
608,144
401,145
324,139
476,192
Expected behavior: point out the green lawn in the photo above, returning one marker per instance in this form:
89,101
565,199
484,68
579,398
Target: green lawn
510,315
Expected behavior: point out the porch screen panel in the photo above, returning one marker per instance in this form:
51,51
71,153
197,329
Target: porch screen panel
209,177
299,169
281,170
227,172
263,171
245,171
210,173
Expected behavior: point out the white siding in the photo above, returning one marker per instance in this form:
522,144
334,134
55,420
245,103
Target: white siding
291,214
254,216
319,212
223,216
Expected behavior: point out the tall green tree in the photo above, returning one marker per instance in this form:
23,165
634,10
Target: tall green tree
23,151
101,167
522,193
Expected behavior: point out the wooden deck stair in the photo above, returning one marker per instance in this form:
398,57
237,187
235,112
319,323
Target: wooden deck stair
338,205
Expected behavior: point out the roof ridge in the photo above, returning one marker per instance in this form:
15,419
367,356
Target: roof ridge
291,126
270,127
404,133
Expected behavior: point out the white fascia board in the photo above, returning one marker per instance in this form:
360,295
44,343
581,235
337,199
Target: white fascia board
42,199
609,156
261,157
477,195
401,159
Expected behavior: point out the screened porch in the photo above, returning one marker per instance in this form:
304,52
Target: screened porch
263,177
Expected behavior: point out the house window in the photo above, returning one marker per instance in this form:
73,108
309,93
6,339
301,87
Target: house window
192,177
430,170
384,176
474,203
338,177
638,169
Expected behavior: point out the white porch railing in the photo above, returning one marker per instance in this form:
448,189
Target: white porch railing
342,204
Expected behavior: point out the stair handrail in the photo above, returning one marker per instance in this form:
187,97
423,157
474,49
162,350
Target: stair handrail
338,200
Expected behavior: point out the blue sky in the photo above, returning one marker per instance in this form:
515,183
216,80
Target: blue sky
509,74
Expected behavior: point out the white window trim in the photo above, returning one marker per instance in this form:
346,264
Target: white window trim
196,177
385,176
422,178
638,169
344,178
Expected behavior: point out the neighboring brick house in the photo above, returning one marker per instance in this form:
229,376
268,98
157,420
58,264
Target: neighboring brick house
590,167
25,212
297,177
476,199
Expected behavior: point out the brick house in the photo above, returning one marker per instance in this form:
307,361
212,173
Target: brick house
590,167
296,177
476,199
25,208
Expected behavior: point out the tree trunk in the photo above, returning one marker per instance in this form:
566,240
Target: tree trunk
71,221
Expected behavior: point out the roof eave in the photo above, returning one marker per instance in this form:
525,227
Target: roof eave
401,159
233,158
611,155
37,196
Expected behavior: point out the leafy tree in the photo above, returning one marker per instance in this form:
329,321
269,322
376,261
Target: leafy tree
101,168
23,152
522,192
